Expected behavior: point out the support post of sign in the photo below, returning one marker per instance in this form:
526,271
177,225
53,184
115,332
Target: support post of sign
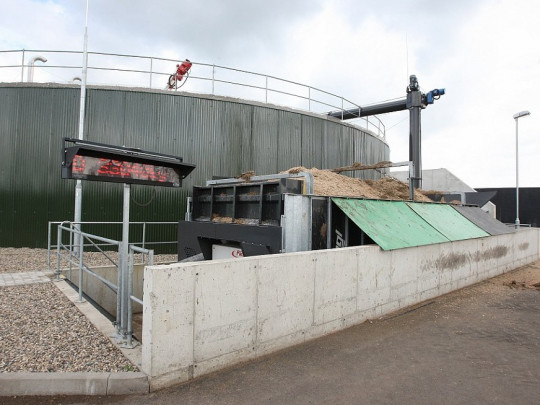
123,264
77,215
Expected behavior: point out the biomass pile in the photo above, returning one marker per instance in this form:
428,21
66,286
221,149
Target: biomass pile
328,183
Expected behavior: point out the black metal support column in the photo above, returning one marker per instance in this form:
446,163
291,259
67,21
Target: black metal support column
414,104
415,145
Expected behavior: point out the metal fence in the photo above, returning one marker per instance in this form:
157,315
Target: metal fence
100,226
153,72
66,235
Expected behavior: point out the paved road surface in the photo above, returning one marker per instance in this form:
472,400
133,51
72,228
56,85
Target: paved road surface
478,345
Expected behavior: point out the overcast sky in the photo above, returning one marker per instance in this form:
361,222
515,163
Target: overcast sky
485,53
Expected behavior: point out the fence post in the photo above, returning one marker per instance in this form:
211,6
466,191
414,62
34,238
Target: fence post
58,240
129,301
213,77
119,293
22,67
81,244
143,239
49,246
71,253
151,62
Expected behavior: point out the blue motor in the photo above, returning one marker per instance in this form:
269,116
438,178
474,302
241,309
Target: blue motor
434,95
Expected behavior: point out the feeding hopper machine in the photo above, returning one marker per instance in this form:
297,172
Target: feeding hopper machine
279,214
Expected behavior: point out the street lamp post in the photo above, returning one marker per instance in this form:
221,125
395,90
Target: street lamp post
516,117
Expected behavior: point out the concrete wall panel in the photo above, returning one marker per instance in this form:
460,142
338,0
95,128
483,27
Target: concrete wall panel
168,316
225,310
285,295
335,285
219,313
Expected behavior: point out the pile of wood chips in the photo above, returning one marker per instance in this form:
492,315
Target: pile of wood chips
329,183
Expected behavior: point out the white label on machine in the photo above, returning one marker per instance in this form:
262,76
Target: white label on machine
226,252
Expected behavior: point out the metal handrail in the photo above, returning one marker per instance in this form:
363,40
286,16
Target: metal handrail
371,123
123,288
143,242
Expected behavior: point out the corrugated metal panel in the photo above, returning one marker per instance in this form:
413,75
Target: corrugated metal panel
373,153
289,140
65,123
221,137
332,134
345,148
391,224
447,221
312,142
483,220
232,132
359,153
8,166
265,140
30,177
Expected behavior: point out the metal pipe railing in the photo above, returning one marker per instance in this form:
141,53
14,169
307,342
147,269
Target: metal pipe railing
339,102
124,286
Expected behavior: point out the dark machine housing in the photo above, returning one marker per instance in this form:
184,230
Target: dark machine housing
264,217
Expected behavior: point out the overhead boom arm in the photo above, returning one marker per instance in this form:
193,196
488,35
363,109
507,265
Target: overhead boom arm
415,102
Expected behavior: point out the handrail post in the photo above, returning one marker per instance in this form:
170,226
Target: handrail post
266,90
309,99
117,323
71,254
151,70
213,77
143,239
129,301
58,240
49,246
22,67
81,244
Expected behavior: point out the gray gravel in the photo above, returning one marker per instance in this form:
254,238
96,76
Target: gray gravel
42,331
14,260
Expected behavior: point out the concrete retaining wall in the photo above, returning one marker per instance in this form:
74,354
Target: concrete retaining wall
101,293
200,317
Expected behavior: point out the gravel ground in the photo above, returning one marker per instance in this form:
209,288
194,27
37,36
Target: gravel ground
42,331
13,260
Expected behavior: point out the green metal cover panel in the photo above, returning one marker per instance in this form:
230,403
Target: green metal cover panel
391,224
447,221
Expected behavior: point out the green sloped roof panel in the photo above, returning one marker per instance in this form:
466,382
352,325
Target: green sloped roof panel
391,224
447,221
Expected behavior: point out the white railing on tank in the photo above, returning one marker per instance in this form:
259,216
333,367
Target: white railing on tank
153,72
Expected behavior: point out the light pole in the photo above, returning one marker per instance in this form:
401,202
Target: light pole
516,117
77,213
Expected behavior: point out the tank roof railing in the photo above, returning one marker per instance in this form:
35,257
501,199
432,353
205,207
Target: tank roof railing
154,72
